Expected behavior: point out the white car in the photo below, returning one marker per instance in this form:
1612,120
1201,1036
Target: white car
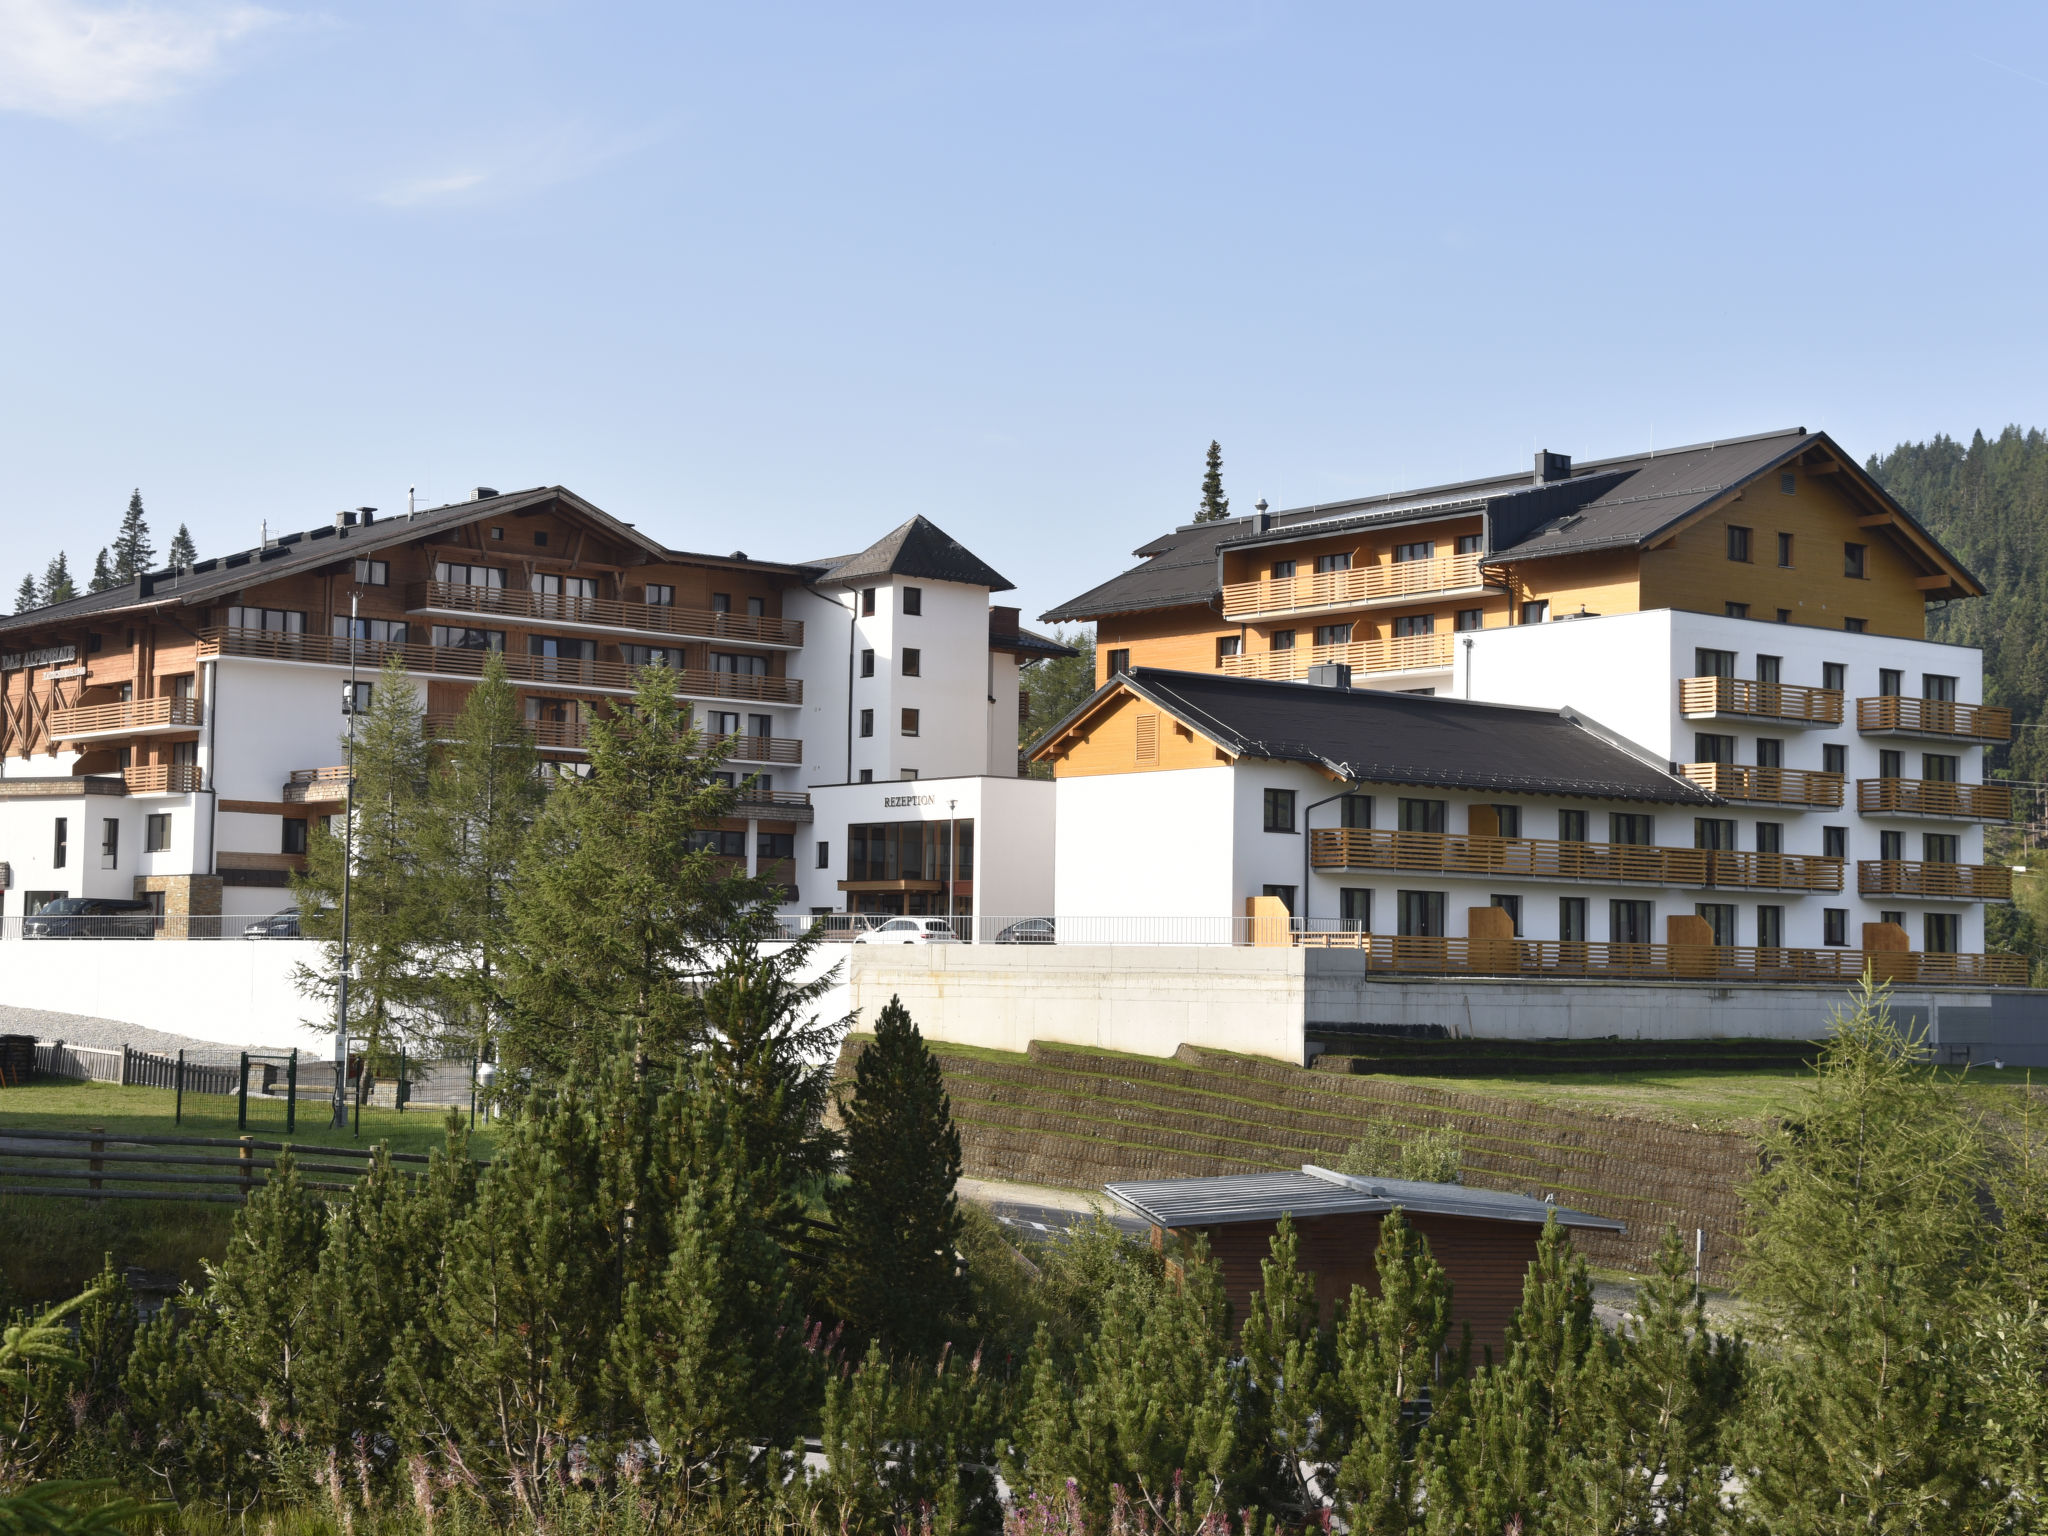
911,930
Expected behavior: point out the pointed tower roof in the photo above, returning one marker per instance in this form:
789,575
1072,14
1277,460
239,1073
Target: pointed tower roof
919,548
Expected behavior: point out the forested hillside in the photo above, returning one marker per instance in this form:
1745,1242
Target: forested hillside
1988,502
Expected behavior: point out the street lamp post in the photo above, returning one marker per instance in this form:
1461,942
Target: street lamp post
348,859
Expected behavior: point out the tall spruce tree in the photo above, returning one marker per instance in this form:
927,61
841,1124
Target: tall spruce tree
1291,1417
894,1274
1215,505
57,585
27,595
183,553
132,551
102,574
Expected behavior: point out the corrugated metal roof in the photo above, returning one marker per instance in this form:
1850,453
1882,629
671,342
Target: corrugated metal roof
1183,1203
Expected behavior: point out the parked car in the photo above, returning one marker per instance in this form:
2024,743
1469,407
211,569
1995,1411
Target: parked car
911,930
1030,930
279,925
91,917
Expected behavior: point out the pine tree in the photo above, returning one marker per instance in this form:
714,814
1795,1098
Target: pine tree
894,1275
1290,1414
1215,505
1056,688
27,595
102,574
183,553
133,555
57,586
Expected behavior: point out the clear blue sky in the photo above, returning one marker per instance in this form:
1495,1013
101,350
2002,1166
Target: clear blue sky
775,277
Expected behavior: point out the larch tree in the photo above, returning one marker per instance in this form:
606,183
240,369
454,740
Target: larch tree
1215,505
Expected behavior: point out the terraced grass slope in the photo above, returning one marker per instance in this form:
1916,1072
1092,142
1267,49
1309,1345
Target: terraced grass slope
1069,1116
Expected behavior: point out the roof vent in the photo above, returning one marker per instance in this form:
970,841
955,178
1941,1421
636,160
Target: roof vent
1262,520
482,493
369,515
739,554
1552,466
1330,674
344,519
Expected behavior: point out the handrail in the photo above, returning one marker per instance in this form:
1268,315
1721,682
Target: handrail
1760,700
560,608
1336,589
574,736
164,779
1934,717
1538,859
1403,653
1766,786
134,714
1912,877
1933,797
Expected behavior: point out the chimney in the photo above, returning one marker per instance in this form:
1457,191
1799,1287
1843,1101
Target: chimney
1330,674
369,515
344,520
1552,466
1262,520
482,493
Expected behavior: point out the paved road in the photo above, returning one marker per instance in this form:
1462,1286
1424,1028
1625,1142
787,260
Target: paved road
1043,1221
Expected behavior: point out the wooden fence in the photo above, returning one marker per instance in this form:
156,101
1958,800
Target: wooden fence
93,1165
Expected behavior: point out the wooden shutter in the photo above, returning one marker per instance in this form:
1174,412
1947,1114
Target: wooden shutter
1148,738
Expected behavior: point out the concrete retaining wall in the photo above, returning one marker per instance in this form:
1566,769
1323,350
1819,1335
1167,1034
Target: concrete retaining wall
230,991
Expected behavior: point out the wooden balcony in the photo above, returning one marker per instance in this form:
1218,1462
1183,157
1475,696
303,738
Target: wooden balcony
1668,962
1939,719
772,804
164,779
1936,882
602,615
314,784
574,736
1350,589
1710,698
1535,859
612,677
139,717
1407,653
1767,786
1934,797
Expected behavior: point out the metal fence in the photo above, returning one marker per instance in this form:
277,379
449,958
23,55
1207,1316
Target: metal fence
134,927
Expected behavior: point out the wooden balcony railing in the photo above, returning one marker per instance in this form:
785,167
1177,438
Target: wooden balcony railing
164,779
310,784
1341,589
574,736
449,661
1406,653
772,804
1667,962
604,613
158,714
1933,797
1943,882
1767,786
1893,715
1760,701
1537,859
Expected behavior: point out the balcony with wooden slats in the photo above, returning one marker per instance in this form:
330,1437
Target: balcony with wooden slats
1394,954
1735,698
1526,858
609,677
310,785
603,616
772,804
1767,786
574,736
1364,587
1405,653
1941,798
1936,882
164,779
1934,719
137,717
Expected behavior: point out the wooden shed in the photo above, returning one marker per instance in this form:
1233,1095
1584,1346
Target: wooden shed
1484,1239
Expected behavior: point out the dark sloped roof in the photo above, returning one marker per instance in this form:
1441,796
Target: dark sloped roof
1402,738
1184,1203
921,548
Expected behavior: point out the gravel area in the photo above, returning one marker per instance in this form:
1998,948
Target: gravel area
106,1034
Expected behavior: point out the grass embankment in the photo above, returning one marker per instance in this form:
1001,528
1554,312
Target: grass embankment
53,1246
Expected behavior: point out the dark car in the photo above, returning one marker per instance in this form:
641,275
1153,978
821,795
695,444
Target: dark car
1031,930
91,917
279,925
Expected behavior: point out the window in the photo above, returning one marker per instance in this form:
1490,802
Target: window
60,843
1711,663
1834,842
373,631
913,661
1325,564
1891,765
1770,669
1508,818
1713,832
1631,922
1785,550
1834,758
1228,645
1944,932
1735,610
867,775
1119,662
1535,613
659,596
1512,905
1770,837
294,836
1787,484
1470,618
1784,615
761,726
1414,624
721,602
1631,827
1424,815
867,663
1852,561
1891,847
1426,550
913,601
1421,914
824,854
1709,747
1284,894
540,537
1738,544
1283,640
726,844
1935,686
1770,752
1283,570
653,655
743,666
156,837
910,722
775,845
1855,626
867,601
1720,918
1279,810
279,621
110,844
1571,826
1770,927
373,573
1333,634
1354,909
33,902
181,685
1834,925
455,575
355,698
575,588
1470,543
722,722
867,722
456,637
497,533
1941,847
1834,675
1891,682
1571,919
1941,767
1355,811
757,607
1897,919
